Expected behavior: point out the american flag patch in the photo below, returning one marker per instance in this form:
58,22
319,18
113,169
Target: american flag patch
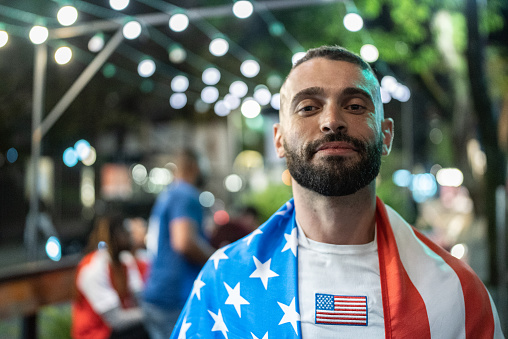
341,310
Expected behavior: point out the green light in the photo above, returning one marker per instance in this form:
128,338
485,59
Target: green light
109,70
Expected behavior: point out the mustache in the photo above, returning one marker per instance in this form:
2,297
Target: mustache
311,147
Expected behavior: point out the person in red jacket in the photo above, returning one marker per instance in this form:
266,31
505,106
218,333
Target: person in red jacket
108,281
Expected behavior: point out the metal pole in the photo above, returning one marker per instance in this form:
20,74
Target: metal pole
37,109
80,83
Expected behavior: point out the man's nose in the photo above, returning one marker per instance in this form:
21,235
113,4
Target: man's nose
332,119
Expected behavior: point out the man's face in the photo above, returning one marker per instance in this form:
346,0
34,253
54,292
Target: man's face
331,129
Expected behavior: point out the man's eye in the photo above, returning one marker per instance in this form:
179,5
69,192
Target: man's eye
307,109
355,107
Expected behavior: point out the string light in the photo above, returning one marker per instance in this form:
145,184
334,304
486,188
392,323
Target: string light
243,9
67,15
353,22
119,5
178,22
219,47
38,34
131,30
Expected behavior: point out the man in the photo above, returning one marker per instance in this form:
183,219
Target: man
175,237
335,262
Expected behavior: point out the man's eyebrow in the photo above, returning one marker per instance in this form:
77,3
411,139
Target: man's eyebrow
306,92
352,91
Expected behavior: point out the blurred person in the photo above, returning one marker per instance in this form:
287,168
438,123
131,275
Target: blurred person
335,261
137,228
177,241
236,228
108,285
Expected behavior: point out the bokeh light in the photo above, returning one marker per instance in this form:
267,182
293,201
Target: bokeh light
452,177
402,178
250,108
297,56
219,47
53,249
206,199
369,52
243,9
177,54
178,22
221,108
63,55
38,34
458,251
179,83
67,15
209,94
232,101
131,30
211,76
233,183
4,38
139,174
353,22
249,68
275,101
178,100
12,155
286,177
221,217
118,5
262,95
96,43
146,68
91,158
238,88
82,148
70,157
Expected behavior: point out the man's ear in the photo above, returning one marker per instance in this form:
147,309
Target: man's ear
387,130
277,140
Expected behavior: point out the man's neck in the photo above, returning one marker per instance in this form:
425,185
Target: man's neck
347,220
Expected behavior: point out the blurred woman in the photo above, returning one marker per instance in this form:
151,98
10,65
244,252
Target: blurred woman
108,282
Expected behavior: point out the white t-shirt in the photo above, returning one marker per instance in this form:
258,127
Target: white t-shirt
339,289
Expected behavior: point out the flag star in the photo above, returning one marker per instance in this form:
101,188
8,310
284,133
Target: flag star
291,241
235,298
288,207
264,337
218,255
290,314
219,324
251,236
263,271
196,288
183,329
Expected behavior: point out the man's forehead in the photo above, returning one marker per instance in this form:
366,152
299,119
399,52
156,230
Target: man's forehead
325,71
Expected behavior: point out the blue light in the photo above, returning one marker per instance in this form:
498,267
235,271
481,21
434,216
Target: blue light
53,249
12,155
402,178
70,157
82,148
424,186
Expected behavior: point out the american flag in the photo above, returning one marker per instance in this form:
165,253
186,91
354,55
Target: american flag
341,310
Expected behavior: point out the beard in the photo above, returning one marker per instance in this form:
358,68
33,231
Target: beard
335,175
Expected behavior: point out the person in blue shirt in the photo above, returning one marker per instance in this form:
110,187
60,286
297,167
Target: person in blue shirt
176,240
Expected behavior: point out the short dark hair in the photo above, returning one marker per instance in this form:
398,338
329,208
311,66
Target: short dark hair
337,53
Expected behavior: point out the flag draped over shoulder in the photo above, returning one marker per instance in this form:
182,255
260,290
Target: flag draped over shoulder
249,289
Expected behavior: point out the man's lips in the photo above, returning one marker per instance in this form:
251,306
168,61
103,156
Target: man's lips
336,147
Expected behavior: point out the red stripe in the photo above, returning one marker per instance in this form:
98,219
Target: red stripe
342,323
405,315
479,316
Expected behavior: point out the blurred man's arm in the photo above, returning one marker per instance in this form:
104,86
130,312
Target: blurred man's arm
186,241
